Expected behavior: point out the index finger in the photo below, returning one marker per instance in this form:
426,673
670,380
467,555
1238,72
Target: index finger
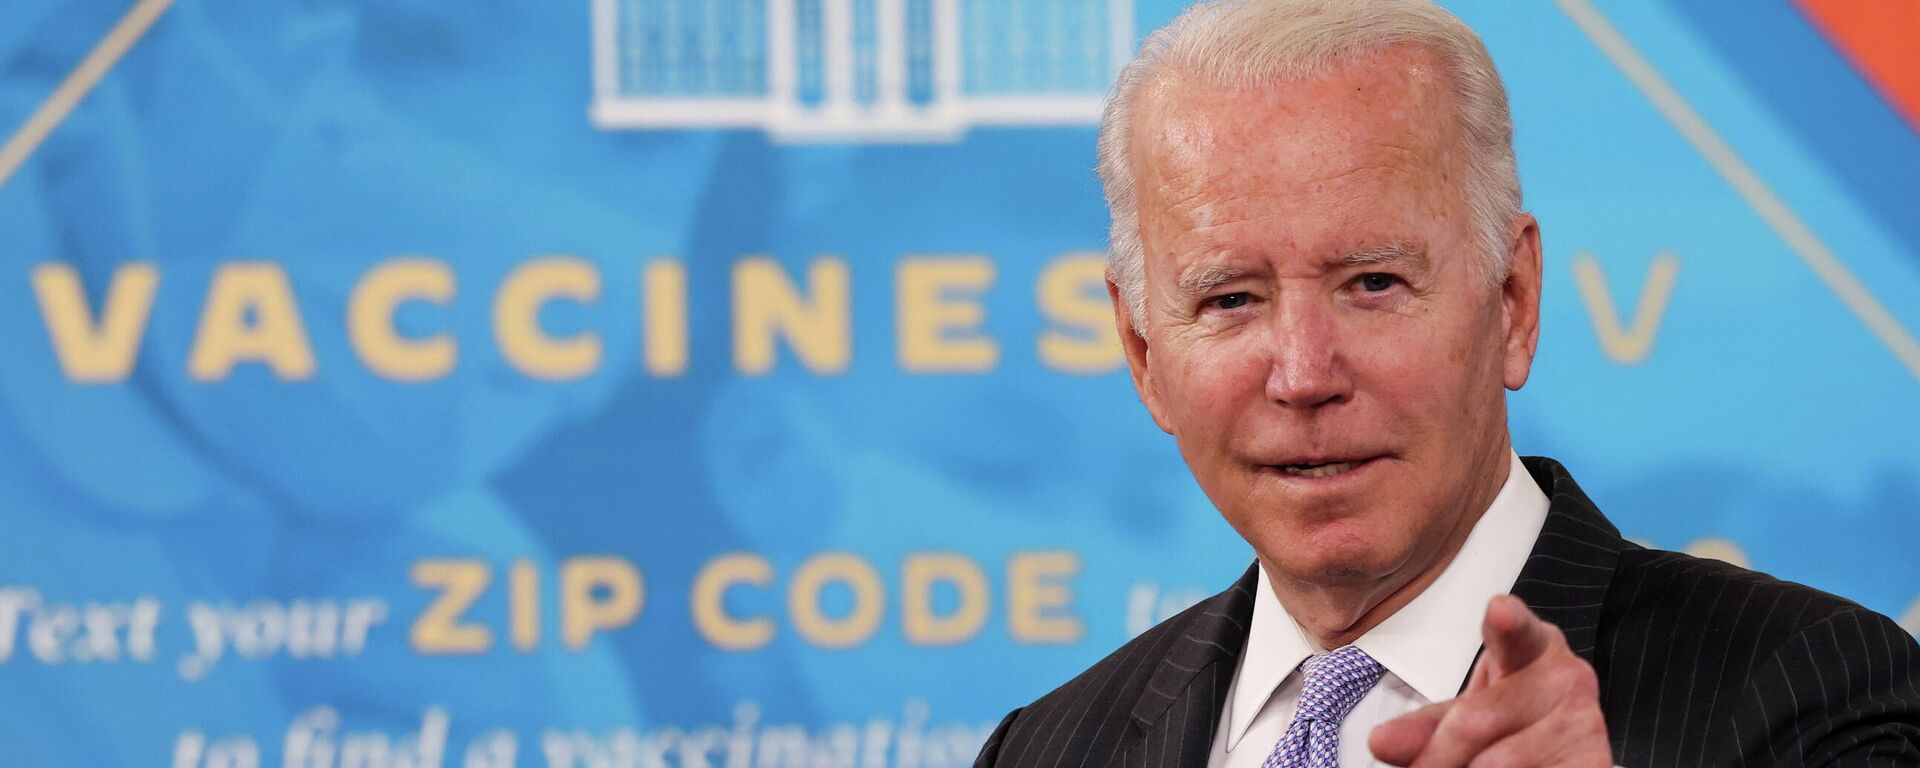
1514,636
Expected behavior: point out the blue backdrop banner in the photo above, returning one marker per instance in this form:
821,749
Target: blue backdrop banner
731,383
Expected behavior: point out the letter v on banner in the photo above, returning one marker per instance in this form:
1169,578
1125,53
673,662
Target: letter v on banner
1631,345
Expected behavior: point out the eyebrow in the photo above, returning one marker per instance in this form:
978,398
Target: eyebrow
1201,280
1413,256
1205,279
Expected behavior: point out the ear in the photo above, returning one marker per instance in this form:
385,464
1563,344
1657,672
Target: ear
1135,345
1520,299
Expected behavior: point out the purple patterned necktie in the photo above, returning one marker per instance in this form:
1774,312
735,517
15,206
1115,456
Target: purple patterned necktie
1336,680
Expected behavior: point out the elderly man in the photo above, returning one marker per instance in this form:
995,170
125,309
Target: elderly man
1324,283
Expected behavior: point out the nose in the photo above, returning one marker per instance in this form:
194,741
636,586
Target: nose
1309,368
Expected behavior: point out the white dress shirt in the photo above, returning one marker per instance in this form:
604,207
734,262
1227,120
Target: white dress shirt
1428,646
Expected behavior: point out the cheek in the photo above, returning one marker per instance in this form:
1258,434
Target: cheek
1411,366
1434,372
1401,350
1211,382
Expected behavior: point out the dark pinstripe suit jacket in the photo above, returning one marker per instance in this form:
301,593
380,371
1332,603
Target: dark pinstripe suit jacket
1700,663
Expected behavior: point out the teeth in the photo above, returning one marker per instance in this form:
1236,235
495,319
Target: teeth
1318,470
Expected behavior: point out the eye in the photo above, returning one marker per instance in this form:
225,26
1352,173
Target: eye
1375,282
1229,301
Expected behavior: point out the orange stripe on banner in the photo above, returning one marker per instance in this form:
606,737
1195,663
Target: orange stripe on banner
1882,39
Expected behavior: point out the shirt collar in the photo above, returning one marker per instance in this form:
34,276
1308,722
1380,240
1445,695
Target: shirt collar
1430,643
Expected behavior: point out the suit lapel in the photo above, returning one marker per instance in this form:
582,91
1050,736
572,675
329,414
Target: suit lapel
1174,721
1566,577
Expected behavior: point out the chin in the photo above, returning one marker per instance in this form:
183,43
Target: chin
1339,571
1331,559
1327,545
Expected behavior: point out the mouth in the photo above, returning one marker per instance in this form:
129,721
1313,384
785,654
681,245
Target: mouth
1322,469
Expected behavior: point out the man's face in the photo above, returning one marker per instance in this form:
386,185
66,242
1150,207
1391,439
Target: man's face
1321,339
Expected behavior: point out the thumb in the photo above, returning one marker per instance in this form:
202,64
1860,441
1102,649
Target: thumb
1401,740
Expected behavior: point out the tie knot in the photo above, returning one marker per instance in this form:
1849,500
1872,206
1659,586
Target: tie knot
1336,681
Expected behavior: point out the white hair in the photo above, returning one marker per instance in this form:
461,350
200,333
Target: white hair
1248,43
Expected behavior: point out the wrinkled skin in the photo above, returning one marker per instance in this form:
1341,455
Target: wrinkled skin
1313,295
1278,351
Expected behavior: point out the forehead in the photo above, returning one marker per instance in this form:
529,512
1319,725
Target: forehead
1387,110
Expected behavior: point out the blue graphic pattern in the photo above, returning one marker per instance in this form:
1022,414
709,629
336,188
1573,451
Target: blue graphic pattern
329,138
